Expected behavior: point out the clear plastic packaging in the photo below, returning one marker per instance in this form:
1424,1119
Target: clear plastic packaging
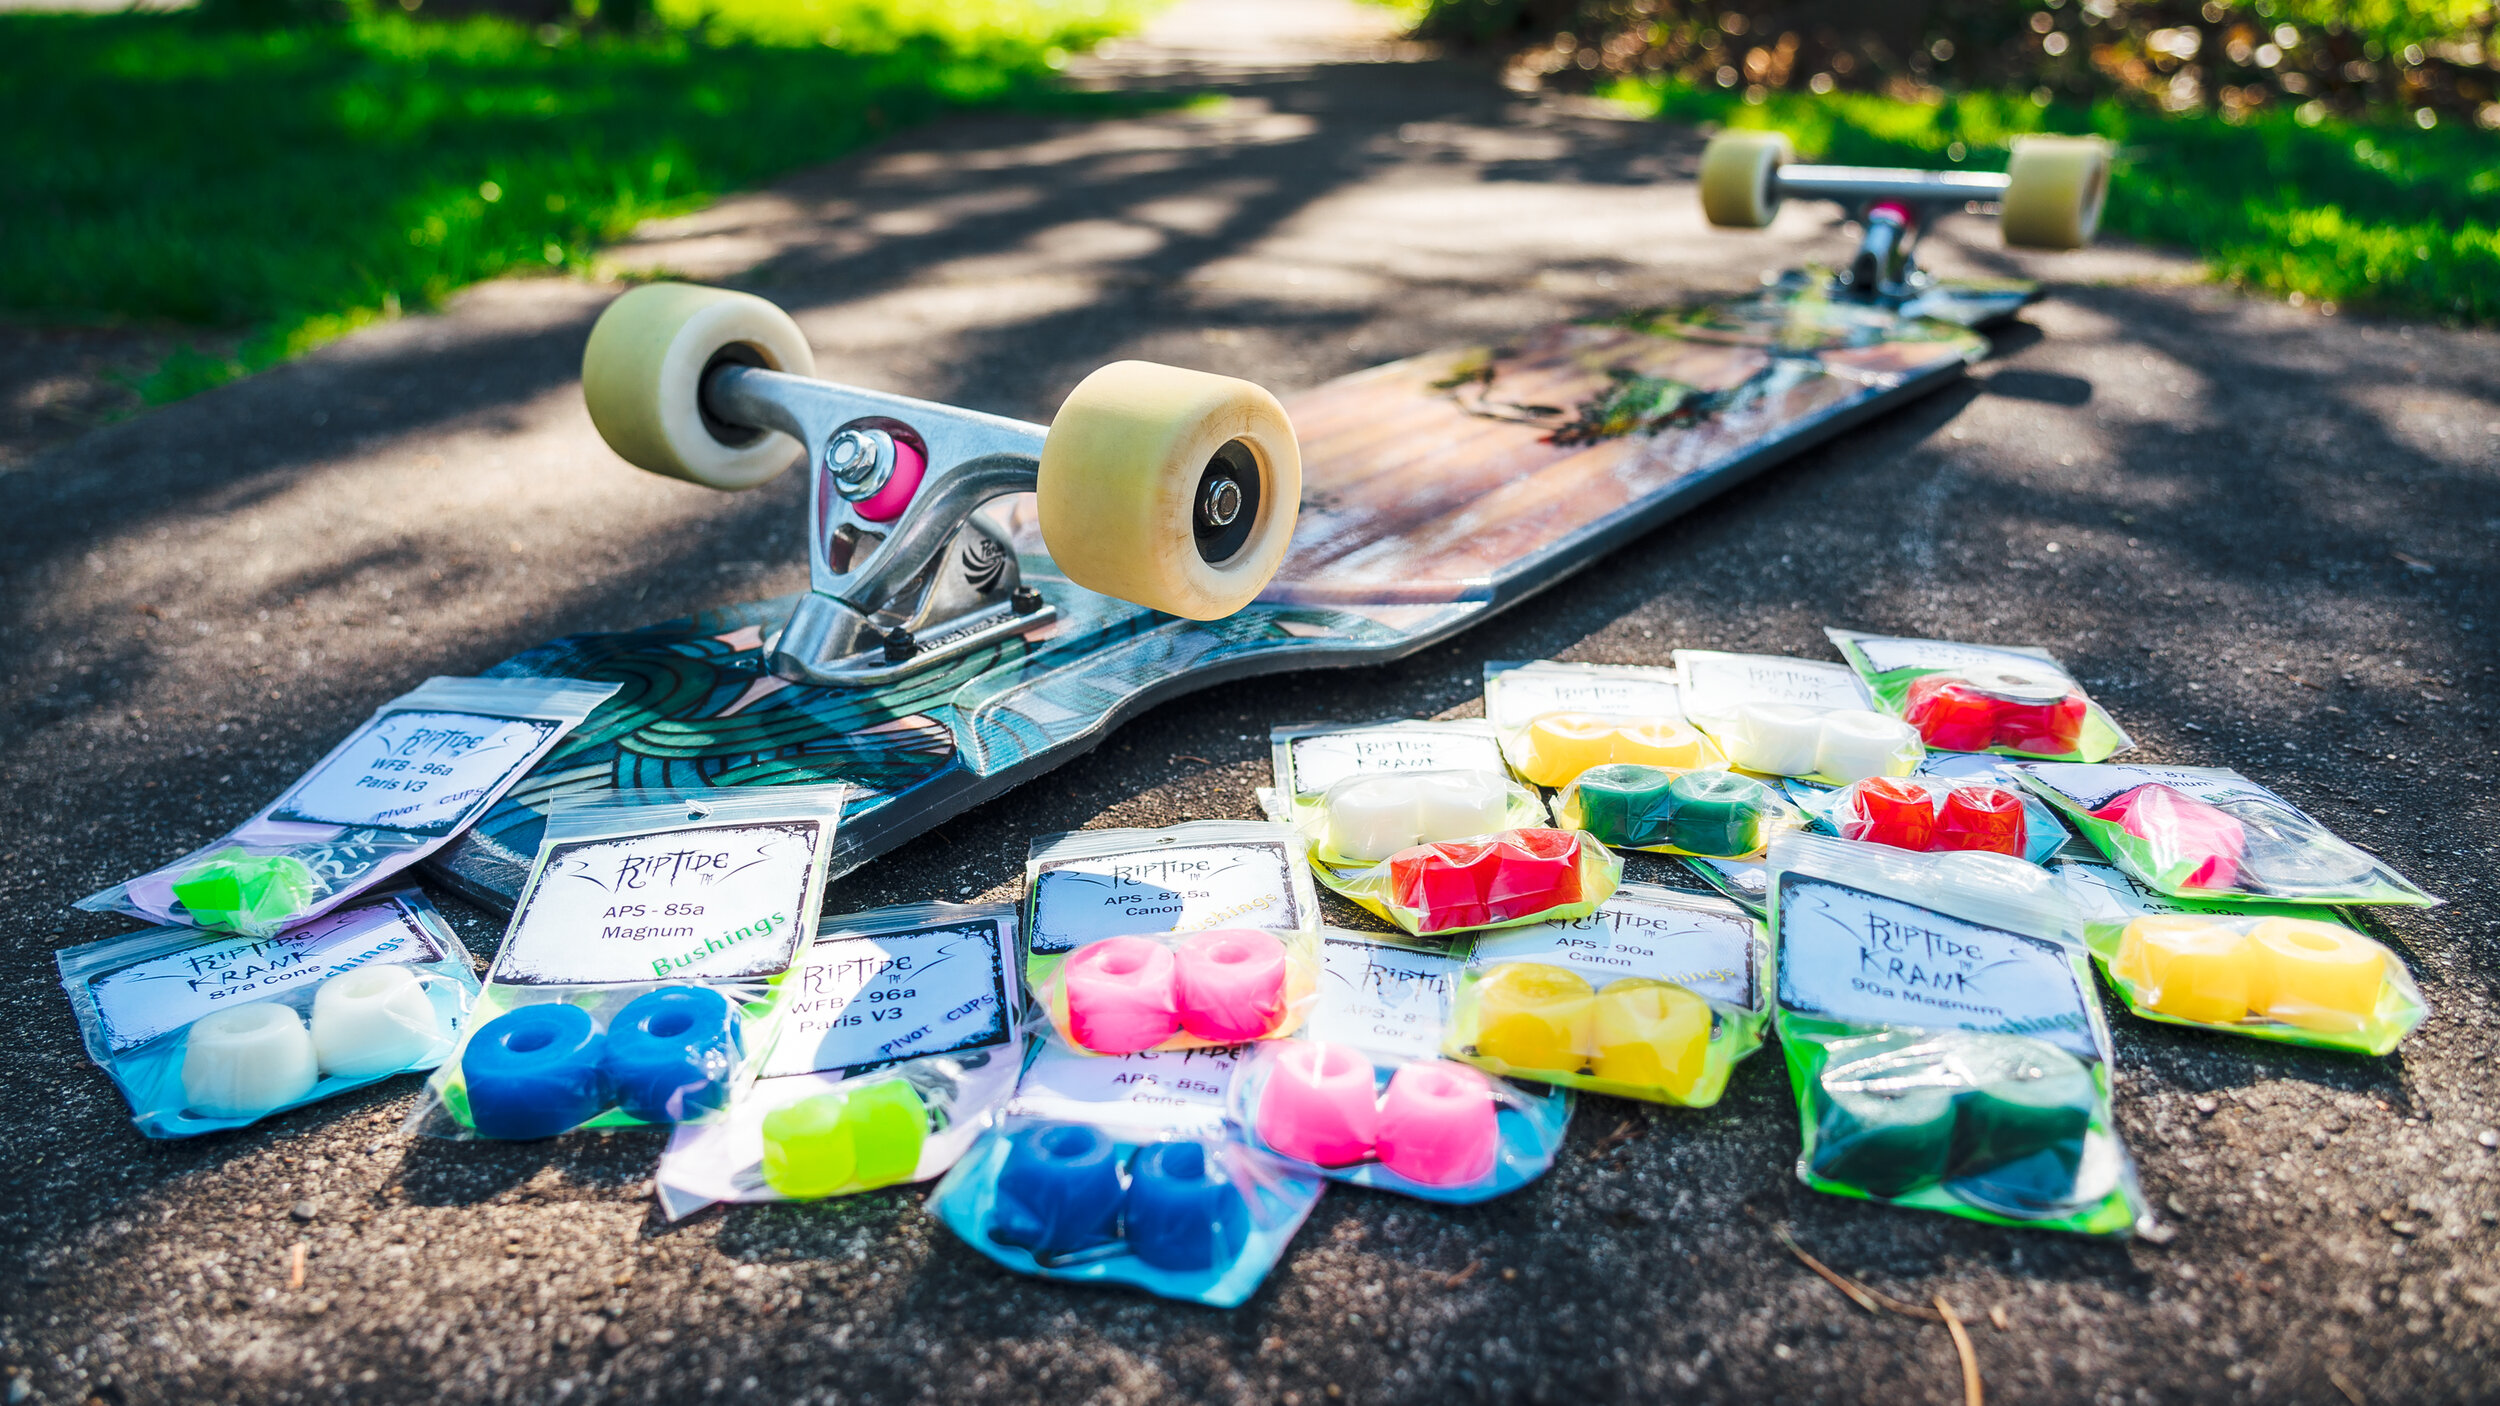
1713,814
2014,700
642,972
1557,720
1363,820
1942,1037
1934,815
1654,996
1190,937
401,786
1119,1171
2282,974
1383,1002
2211,834
1502,880
205,1032
1312,758
1424,1127
1179,991
1794,717
899,1041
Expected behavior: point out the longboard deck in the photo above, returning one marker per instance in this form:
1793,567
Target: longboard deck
1436,491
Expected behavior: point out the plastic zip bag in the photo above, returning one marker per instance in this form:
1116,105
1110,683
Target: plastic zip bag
1310,758
1557,720
1711,814
398,788
1362,820
642,972
204,1032
1430,1128
2213,835
1943,1039
899,1040
2276,972
1936,815
1194,936
1119,1171
1457,1138
1655,996
2014,700
1502,880
1794,717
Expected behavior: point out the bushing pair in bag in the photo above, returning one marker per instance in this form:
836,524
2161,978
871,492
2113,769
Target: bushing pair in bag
667,1055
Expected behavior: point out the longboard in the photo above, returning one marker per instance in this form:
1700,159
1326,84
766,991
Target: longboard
1437,491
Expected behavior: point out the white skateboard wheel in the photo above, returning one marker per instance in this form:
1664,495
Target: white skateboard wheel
373,1020
1736,177
642,377
1175,490
243,1061
2056,186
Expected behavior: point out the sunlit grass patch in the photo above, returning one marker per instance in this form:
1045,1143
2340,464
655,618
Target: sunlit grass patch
285,186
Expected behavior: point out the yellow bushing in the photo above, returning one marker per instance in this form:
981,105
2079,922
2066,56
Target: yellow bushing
2187,966
1557,747
2316,975
1652,1035
1530,1015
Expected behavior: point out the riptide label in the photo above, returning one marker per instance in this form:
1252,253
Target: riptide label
1849,955
857,1003
1381,999
421,772
1245,884
158,995
1706,945
691,903
1170,1091
1321,760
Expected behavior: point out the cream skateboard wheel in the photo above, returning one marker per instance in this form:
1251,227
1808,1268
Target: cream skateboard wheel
1171,489
2055,188
642,377
1737,171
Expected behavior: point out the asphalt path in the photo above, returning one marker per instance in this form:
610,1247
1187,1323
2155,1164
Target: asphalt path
2260,535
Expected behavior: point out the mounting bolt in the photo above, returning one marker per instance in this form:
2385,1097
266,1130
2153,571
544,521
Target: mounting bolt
860,460
899,645
1025,601
1221,503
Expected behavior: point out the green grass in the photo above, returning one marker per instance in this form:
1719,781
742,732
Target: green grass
285,186
2368,215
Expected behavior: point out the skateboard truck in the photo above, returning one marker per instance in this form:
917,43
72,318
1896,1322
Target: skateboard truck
1167,488
897,581
2050,197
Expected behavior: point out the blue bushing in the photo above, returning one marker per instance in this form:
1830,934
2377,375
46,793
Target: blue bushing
1183,1213
534,1072
1058,1190
671,1052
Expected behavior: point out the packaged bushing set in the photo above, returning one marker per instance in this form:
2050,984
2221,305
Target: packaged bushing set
1147,1071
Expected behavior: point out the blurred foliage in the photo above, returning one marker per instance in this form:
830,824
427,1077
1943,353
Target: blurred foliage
2366,214
2431,59
287,179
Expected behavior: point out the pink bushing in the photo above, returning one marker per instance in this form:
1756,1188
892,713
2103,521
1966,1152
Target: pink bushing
2181,828
1439,1125
1319,1105
1122,994
887,503
1232,984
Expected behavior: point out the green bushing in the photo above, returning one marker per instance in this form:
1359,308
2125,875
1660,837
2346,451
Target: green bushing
2026,1097
845,1139
238,890
1884,1121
